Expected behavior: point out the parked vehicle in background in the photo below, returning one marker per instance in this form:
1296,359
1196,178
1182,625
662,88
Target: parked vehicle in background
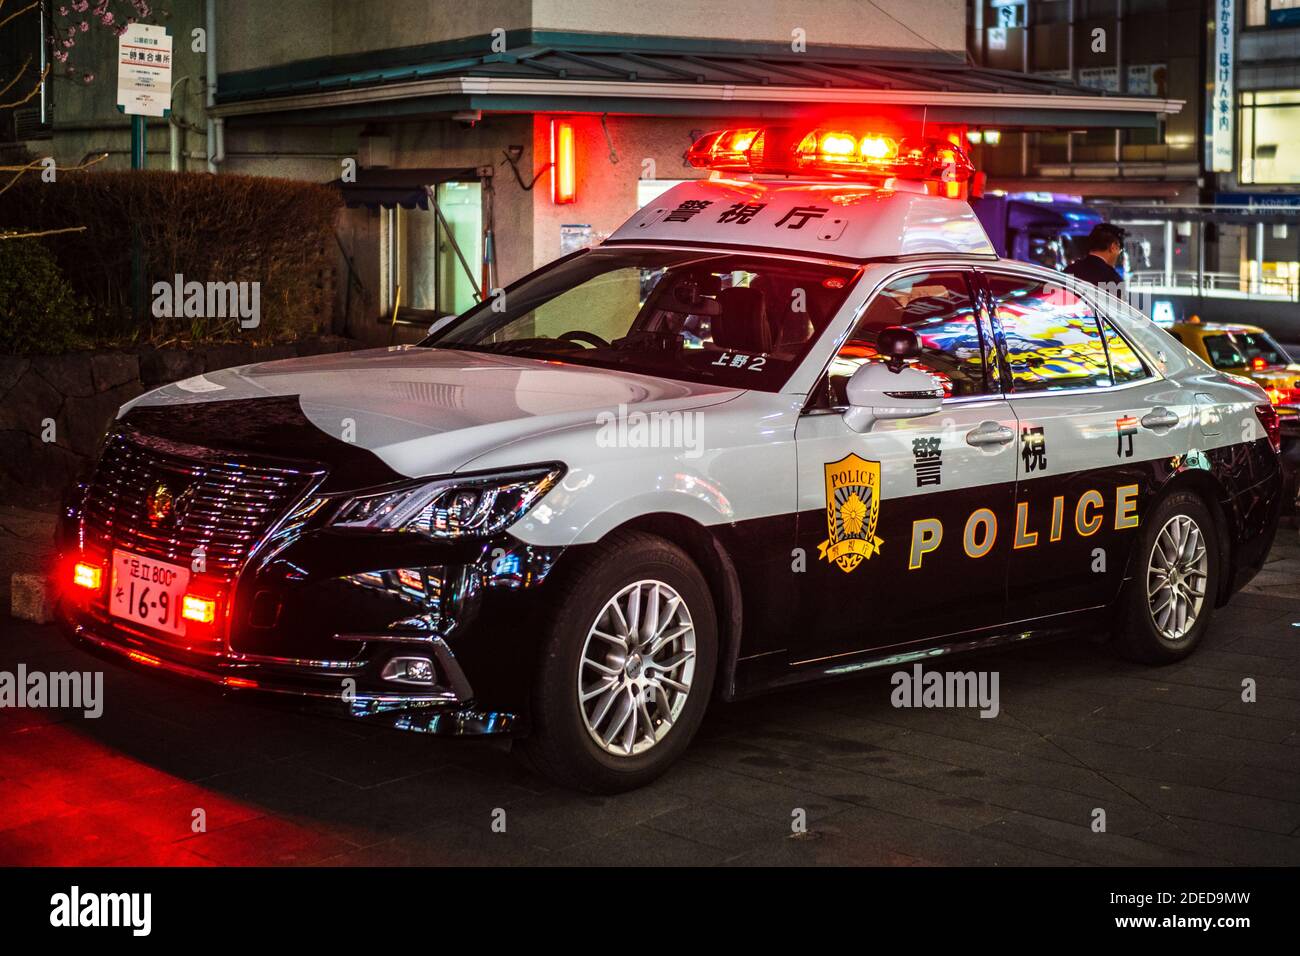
1249,351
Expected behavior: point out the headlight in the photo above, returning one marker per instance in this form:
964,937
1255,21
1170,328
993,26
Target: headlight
473,506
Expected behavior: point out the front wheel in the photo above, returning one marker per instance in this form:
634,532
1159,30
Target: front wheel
627,668
1168,603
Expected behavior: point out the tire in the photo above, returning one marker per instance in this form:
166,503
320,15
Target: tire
1150,628
563,742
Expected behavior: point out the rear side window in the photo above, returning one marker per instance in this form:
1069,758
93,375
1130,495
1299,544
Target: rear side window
1125,364
939,308
1053,339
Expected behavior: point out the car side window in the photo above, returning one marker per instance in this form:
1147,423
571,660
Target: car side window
937,306
1053,339
1125,364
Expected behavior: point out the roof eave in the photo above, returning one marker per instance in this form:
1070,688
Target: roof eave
735,96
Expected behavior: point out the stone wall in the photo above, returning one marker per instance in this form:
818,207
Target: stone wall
80,393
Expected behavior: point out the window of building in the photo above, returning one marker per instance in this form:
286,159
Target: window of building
1272,13
1270,137
424,274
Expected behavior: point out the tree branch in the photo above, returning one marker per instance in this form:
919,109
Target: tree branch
32,235
19,12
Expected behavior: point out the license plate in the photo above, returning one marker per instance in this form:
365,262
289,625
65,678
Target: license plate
148,591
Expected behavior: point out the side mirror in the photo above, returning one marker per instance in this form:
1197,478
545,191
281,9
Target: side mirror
894,389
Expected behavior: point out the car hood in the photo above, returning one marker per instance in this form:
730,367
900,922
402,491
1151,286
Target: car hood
419,411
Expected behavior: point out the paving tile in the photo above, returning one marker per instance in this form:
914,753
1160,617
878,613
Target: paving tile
1150,765
939,845
1248,753
1215,806
267,841
1233,844
449,843
724,828
278,787
1079,842
640,845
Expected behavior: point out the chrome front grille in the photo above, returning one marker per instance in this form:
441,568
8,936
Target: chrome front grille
219,504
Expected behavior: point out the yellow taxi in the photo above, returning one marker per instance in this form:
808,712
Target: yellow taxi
1249,351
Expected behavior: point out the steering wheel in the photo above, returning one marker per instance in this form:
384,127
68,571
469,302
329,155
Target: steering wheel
589,338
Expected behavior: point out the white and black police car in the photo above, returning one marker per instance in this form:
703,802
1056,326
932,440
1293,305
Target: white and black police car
792,422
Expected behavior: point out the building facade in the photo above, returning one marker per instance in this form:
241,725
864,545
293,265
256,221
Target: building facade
1211,196
473,143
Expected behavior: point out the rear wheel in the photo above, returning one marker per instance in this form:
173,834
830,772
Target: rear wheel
1168,603
627,668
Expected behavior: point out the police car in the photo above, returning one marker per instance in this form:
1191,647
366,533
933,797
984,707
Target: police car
793,422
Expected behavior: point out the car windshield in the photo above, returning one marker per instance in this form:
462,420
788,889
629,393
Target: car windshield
737,320
1242,349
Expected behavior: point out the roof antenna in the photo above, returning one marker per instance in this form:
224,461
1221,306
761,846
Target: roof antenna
924,112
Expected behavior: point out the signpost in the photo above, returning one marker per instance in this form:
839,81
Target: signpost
1223,106
144,70
144,88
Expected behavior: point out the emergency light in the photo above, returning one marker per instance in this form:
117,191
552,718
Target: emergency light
843,153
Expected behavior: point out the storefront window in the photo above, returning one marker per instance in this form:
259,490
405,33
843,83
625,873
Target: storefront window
1270,137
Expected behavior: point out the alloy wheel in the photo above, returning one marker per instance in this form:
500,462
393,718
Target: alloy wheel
1177,574
636,668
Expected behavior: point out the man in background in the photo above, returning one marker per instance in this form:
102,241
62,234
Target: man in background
1105,246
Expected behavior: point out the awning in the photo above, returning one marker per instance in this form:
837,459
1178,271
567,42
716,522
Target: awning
550,72
389,188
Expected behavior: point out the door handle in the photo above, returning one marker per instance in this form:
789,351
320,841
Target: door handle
1159,418
989,433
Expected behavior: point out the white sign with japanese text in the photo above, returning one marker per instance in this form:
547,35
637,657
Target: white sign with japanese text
1223,104
144,70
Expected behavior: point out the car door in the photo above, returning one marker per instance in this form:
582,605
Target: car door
921,502
1096,426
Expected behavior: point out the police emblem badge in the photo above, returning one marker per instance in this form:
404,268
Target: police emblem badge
852,508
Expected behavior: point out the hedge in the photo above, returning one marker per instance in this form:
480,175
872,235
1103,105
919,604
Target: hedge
39,311
206,228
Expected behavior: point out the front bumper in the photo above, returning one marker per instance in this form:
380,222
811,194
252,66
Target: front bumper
320,620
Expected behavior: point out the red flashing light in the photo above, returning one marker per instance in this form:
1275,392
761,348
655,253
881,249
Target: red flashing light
241,682
842,149
862,155
564,163
724,149
88,576
1258,362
